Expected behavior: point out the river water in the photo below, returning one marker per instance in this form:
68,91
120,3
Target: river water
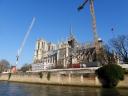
22,89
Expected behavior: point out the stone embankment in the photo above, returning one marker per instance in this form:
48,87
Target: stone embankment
74,77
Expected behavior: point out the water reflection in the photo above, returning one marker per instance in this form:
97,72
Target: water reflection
109,92
21,89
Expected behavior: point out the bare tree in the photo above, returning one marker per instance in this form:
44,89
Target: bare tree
109,56
4,65
25,67
120,46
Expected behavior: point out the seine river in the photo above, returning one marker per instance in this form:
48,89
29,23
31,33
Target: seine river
21,89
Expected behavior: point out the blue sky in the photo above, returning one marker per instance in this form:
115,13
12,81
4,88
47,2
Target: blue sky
53,20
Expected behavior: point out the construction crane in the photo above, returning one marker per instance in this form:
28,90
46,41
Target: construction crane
97,41
24,41
93,18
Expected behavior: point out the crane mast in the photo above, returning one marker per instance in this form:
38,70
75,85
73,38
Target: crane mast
95,35
24,40
93,21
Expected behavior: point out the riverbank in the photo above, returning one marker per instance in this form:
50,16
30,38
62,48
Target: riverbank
81,77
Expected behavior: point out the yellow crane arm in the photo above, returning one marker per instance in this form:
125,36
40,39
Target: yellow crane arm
93,21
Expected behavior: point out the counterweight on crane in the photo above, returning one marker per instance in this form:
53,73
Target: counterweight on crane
24,41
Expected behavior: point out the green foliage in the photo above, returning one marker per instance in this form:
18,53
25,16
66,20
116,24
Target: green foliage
48,75
109,75
40,74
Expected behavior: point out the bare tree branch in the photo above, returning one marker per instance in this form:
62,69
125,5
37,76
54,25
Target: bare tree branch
120,46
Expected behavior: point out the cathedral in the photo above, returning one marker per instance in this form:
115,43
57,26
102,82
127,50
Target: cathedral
68,54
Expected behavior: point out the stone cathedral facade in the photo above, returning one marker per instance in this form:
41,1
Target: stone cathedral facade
68,54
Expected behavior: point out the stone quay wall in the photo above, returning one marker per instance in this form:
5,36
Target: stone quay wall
73,77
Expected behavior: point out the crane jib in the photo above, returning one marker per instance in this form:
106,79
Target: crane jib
24,40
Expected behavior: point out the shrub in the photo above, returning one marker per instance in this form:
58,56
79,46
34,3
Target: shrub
109,75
